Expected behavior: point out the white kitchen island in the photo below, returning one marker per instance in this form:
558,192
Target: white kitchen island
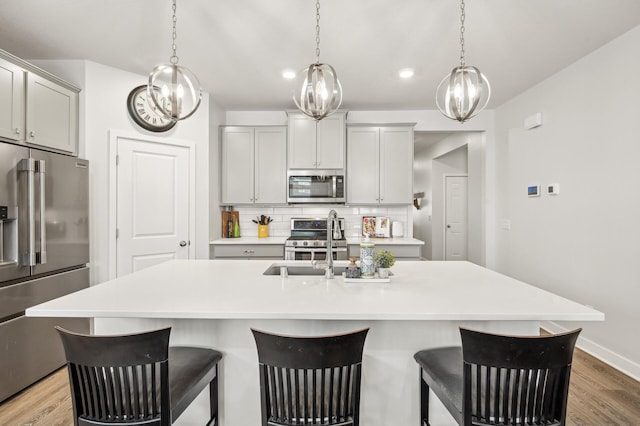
216,302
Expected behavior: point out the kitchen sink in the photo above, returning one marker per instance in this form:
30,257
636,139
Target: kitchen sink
295,270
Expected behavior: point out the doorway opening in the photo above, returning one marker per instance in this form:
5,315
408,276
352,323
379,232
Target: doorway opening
438,155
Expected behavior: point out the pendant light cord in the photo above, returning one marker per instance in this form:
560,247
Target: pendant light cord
317,31
174,57
462,16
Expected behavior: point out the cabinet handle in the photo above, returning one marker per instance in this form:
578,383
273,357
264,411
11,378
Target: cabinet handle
249,251
183,243
32,134
17,131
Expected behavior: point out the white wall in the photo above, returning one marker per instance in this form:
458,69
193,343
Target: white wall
217,118
583,243
104,95
422,172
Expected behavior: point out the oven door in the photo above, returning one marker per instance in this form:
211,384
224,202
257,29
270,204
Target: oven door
298,253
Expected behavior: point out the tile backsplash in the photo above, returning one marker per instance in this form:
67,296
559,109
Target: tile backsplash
281,225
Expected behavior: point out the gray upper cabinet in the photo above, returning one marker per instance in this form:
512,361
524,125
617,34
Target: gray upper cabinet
37,108
253,165
52,115
316,144
380,165
11,101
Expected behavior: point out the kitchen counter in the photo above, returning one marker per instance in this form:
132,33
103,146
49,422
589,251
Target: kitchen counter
393,241
215,303
217,289
350,240
248,240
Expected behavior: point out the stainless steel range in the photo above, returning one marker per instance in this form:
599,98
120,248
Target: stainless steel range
308,240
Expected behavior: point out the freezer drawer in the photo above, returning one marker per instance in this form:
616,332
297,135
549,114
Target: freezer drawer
14,299
31,349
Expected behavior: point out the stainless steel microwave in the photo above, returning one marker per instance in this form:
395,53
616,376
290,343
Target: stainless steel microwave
315,186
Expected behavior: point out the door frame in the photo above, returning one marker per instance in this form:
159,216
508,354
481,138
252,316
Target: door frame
114,135
444,211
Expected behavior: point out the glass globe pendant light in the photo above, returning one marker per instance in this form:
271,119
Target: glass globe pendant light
173,89
320,91
465,92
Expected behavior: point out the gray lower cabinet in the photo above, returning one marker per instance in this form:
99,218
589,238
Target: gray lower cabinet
247,251
400,252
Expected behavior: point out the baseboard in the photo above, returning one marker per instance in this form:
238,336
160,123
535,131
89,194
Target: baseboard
620,363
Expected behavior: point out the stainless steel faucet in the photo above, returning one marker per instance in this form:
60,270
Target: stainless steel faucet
333,229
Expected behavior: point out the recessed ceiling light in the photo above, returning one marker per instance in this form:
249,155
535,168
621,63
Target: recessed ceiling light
406,73
289,74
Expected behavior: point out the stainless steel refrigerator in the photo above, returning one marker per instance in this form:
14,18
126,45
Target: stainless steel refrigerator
44,254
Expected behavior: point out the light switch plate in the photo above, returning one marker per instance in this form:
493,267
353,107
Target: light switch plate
553,189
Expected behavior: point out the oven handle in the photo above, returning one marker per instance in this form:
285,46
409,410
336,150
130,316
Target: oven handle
312,249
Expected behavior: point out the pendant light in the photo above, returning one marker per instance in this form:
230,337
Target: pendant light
320,92
465,92
173,89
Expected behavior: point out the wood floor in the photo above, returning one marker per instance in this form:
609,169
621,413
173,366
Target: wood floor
599,396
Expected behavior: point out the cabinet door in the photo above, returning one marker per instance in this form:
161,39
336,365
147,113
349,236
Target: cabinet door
11,101
270,165
237,164
363,165
302,142
396,165
52,115
330,149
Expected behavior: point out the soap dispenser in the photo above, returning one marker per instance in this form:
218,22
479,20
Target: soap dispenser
367,266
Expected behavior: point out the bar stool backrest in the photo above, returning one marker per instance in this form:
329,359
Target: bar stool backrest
516,380
310,380
119,379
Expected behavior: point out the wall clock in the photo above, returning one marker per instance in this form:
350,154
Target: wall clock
144,113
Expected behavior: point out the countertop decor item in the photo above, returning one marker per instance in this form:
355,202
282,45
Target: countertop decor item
180,92
368,226
464,92
320,91
144,113
383,259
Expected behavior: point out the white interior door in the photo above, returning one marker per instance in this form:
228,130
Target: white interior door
152,203
456,218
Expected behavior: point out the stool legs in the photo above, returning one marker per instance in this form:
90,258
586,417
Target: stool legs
213,400
424,401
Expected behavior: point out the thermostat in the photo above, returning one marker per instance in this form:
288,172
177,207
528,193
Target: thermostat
553,189
533,190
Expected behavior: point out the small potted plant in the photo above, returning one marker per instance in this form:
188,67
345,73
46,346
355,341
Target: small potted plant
384,260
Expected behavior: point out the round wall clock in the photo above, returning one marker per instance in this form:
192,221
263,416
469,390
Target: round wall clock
144,113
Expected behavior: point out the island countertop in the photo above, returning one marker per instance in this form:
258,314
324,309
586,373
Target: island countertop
237,289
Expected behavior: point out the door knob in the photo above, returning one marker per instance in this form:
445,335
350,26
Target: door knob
183,243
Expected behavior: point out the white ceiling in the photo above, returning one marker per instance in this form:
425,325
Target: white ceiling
238,48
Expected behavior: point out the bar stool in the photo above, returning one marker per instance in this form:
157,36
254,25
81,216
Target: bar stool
310,380
496,379
137,379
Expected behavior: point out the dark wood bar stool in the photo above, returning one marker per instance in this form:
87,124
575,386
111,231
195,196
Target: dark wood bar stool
310,380
495,379
137,379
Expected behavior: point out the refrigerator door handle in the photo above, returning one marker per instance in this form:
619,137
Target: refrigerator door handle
28,165
41,257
